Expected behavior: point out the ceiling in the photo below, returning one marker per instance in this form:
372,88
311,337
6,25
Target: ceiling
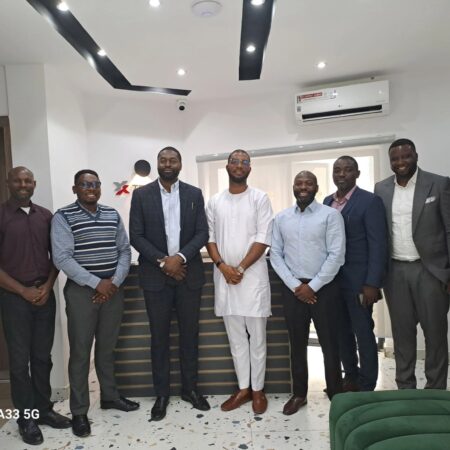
357,39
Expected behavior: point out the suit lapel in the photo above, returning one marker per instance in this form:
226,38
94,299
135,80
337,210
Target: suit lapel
351,202
184,201
156,197
423,187
389,196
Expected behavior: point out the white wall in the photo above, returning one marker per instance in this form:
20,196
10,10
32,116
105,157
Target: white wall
419,111
28,122
121,132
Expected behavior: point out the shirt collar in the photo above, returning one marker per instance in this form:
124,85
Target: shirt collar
346,197
14,205
412,180
175,187
85,209
312,207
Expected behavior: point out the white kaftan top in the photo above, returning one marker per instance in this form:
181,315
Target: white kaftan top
235,222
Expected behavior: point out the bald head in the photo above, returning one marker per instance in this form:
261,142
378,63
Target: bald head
21,184
16,170
306,174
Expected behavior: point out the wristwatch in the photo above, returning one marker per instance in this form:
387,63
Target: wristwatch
162,263
240,269
218,263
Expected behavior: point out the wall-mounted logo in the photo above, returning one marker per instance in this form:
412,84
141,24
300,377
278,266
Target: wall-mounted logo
141,177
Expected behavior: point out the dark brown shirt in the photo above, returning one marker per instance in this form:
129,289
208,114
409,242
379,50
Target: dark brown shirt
25,242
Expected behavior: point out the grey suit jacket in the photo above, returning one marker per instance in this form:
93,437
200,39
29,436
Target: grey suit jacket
148,235
430,219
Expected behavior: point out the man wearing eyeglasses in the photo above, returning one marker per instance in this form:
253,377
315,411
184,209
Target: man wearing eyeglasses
91,247
240,228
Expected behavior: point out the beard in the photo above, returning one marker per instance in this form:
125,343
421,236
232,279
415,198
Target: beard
169,177
242,179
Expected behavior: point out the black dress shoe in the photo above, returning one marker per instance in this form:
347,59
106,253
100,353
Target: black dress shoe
122,404
159,408
81,426
54,420
30,432
196,400
293,405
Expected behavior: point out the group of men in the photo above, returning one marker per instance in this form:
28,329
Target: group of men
332,258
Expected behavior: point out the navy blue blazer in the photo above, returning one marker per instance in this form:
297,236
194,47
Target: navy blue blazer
366,241
148,235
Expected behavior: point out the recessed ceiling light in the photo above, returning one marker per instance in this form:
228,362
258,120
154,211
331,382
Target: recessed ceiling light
101,52
321,65
181,72
250,48
206,8
257,2
154,3
63,6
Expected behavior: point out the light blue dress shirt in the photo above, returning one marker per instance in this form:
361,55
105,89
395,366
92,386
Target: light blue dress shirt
308,244
171,210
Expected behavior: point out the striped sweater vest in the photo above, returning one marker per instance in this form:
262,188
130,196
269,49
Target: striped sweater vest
95,238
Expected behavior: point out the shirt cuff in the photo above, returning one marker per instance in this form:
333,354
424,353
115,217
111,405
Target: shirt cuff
315,284
93,281
184,258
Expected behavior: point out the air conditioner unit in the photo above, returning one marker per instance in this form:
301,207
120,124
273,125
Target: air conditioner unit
344,102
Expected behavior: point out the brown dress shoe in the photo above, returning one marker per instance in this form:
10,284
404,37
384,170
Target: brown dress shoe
259,403
237,399
294,404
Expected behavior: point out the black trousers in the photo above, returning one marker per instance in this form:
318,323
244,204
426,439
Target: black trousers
159,308
29,333
324,314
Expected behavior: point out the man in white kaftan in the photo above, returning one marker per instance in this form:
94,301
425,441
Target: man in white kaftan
240,225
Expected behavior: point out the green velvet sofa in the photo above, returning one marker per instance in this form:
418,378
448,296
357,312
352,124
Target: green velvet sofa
391,420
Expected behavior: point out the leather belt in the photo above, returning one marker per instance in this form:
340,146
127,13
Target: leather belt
305,280
405,261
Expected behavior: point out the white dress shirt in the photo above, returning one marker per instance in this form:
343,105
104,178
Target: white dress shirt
403,247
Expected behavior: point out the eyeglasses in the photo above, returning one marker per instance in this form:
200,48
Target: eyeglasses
236,162
89,184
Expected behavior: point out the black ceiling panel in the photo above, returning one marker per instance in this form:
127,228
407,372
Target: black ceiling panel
256,23
70,29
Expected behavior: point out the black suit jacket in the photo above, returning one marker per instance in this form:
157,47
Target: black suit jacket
148,235
366,252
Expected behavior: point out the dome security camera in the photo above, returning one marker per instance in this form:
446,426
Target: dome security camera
181,104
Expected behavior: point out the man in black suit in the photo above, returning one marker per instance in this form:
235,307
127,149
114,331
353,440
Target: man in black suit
168,228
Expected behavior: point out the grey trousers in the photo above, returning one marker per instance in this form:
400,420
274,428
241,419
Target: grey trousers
86,320
415,296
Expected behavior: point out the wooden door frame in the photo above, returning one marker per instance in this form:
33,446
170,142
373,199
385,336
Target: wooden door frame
5,156
5,166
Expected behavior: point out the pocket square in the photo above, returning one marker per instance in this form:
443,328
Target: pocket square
430,199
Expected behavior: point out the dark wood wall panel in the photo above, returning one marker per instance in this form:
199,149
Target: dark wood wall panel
216,372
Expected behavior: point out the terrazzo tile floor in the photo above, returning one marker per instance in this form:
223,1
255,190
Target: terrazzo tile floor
187,428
